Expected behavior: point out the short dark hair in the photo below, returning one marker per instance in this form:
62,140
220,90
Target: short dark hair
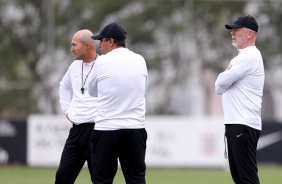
117,42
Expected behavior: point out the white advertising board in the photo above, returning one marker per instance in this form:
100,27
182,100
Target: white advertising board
46,137
185,142
173,141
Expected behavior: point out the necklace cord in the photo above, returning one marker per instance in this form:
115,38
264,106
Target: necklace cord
83,83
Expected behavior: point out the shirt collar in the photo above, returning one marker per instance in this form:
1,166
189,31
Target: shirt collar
246,49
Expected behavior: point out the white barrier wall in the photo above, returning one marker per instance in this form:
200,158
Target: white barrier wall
173,141
46,137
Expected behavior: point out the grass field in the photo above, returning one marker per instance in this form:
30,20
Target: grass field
269,174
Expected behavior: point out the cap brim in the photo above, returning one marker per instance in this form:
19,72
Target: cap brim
97,37
232,26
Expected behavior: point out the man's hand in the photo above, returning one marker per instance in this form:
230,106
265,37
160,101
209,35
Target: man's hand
229,67
68,118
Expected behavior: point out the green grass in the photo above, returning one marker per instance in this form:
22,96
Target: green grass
269,174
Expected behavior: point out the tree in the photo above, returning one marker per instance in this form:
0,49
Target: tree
35,37
184,43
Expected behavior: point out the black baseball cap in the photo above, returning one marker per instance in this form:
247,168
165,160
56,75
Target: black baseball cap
112,30
244,21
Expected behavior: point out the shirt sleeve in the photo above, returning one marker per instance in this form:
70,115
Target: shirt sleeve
93,81
65,92
146,75
147,82
219,90
238,68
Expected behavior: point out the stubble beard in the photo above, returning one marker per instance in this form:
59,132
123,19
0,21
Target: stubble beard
235,44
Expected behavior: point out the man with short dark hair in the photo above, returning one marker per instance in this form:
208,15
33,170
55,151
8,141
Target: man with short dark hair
241,87
120,81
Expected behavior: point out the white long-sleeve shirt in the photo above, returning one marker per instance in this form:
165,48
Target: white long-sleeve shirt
120,80
81,108
241,87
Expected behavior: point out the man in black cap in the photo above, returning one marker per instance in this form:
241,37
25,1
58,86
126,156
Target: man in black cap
241,87
120,81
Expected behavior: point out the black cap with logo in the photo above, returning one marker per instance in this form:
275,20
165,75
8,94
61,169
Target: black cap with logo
244,21
112,30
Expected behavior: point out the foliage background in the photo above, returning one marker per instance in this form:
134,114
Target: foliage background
184,42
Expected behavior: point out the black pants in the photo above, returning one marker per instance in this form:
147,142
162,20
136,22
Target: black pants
76,152
242,148
129,145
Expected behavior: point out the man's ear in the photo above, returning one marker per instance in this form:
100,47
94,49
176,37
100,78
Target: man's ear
87,46
251,33
111,41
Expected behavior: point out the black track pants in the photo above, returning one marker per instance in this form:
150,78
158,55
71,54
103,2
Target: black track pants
77,150
242,148
127,145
